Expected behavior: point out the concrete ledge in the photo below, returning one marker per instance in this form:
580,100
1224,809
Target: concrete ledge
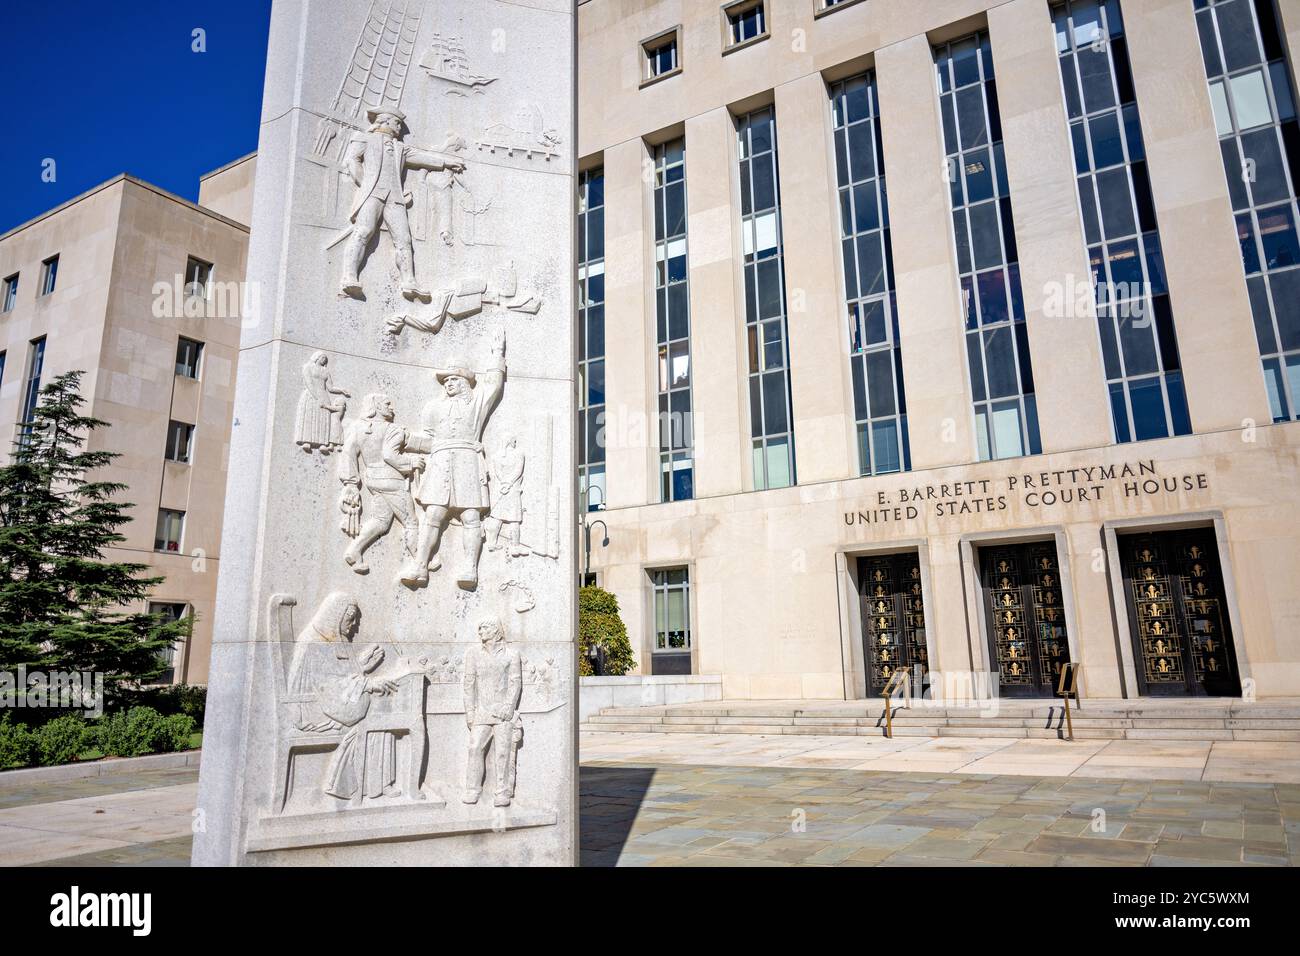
98,768
643,690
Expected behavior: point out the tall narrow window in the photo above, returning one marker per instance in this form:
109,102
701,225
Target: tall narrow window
49,274
1252,90
189,355
171,526
197,275
770,418
673,325
171,613
874,352
32,392
180,442
591,338
2,367
10,293
997,346
1138,343
672,616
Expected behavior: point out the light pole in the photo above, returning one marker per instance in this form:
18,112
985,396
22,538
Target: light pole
588,525
604,543
586,502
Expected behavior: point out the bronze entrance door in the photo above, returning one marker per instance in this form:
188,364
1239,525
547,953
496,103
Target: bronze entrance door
1182,639
1026,620
893,618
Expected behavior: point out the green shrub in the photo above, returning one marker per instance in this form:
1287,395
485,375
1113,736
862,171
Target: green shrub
17,744
174,733
130,733
187,699
599,625
62,740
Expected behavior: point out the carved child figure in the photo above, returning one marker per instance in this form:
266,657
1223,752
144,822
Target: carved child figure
493,685
508,500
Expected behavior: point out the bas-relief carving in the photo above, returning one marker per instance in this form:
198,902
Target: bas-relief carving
376,74
320,408
493,685
378,160
454,483
333,698
525,135
423,478
507,484
521,594
373,160
446,60
375,457
468,297
358,713
369,714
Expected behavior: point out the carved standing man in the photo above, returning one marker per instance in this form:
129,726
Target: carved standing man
493,685
455,480
374,456
378,160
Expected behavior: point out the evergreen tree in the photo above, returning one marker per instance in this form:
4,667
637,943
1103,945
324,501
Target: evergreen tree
63,606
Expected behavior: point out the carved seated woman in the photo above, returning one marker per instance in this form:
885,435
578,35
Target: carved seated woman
339,682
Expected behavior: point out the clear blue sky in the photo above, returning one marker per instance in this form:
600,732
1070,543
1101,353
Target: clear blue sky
110,86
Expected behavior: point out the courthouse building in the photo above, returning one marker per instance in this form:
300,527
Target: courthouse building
142,292
957,335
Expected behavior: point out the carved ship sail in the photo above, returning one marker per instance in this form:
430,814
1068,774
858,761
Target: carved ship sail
376,75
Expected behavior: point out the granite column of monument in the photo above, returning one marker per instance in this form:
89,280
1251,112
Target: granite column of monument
393,667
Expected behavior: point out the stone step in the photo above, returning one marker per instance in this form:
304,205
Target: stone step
850,710
1209,720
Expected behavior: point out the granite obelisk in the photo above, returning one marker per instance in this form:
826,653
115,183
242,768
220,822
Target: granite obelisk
393,674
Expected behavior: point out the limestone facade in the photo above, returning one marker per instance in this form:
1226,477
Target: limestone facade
776,600
118,311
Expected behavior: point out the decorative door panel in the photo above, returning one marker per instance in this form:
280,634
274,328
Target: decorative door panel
1026,617
1182,639
893,617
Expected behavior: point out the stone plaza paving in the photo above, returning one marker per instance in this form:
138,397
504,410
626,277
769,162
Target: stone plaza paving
739,800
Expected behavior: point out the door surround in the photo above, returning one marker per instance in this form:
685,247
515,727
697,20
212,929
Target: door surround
1119,607
854,664
977,631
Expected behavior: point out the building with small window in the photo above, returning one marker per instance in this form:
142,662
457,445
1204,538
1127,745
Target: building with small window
984,316
142,291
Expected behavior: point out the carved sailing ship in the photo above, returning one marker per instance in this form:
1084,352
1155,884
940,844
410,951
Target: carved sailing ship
447,60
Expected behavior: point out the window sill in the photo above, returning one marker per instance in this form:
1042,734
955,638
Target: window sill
745,44
826,11
652,80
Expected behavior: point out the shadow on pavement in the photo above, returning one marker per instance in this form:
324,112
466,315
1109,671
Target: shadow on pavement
608,800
